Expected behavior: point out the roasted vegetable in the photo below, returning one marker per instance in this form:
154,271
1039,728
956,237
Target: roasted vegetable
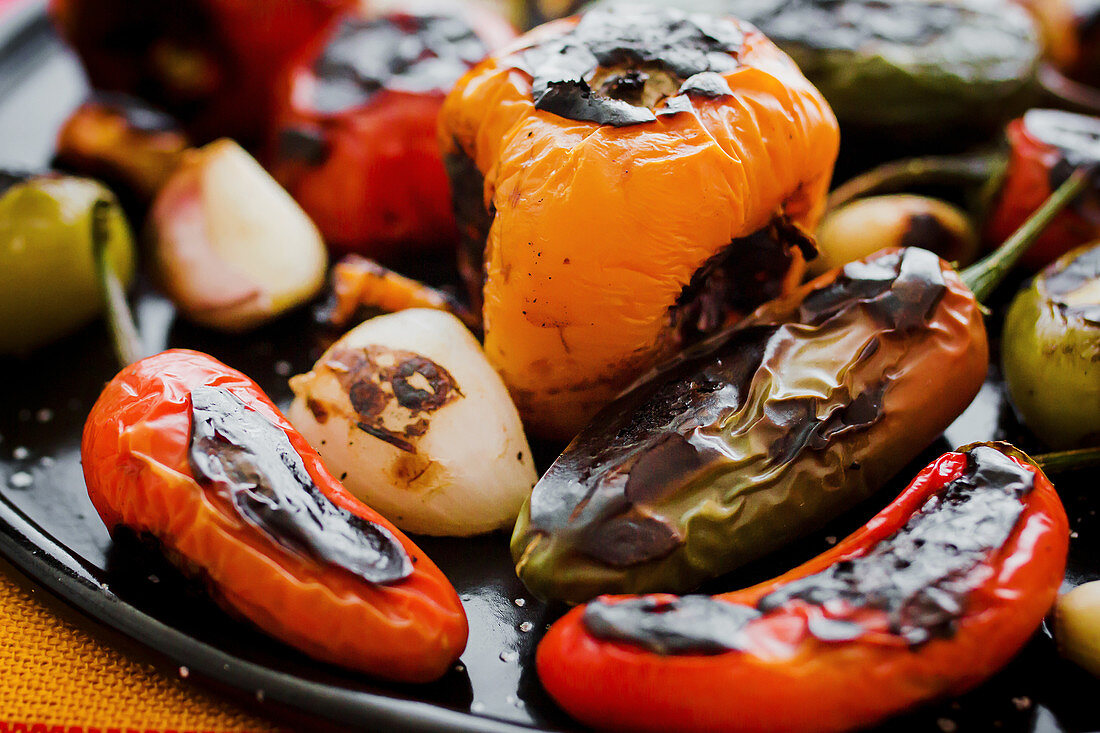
229,246
907,67
1050,349
360,284
210,63
902,220
121,140
758,435
48,283
1046,145
1077,626
355,133
929,598
626,182
407,409
181,448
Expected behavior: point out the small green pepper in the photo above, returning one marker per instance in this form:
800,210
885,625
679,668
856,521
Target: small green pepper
48,282
1051,351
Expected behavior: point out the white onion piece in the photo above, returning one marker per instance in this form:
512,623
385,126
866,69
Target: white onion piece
408,412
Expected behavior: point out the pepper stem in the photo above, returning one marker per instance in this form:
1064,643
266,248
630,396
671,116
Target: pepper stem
900,174
120,319
1070,460
984,276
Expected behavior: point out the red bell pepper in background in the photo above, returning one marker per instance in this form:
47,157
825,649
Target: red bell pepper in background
355,138
210,63
190,451
841,641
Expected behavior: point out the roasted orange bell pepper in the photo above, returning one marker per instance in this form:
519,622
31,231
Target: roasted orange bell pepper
625,182
929,598
191,452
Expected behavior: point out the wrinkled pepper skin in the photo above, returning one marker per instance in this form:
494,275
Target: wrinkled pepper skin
355,139
759,435
622,180
790,661
140,476
210,63
1050,350
1045,146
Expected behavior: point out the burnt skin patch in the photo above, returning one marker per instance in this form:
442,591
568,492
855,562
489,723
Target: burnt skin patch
920,577
1060,282
408,52
687,625
651,52
747,272
393,392
248,462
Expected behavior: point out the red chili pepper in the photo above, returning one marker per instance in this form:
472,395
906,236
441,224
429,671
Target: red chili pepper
355,139
1044,147
929,598
211,63
191,452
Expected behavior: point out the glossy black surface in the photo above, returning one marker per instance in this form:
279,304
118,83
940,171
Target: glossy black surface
49,530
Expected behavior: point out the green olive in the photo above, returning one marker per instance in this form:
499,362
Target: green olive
48,284
865,226
1051,351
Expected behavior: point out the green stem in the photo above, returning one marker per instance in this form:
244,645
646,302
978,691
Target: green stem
984,276
899,174
1070,460
120,319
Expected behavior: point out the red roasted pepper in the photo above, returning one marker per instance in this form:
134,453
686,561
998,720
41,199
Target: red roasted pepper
210,63
191,452
1045,145
355,134
929,598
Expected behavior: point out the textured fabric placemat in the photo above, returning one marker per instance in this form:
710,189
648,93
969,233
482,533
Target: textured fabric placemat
54,676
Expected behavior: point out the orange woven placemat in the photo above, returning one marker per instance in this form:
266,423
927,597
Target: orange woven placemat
56,677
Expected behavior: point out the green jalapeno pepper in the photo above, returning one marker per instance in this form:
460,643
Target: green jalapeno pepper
48,281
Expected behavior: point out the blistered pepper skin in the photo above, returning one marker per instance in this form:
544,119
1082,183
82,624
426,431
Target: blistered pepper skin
759,435
366,164
787,679
589,233
1044,147
135,456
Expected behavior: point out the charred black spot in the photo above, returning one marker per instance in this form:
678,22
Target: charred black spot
301,144
248,462
388,437
669,40
440,384
687,625
747,272
368,399
1058,282
804,430
415,53
474,221
318,409
922,575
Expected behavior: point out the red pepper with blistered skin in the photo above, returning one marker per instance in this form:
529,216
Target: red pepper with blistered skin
355,134
929,598
188,451
210,63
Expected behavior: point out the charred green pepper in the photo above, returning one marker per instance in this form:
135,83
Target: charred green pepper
48,282
1051,351
769,429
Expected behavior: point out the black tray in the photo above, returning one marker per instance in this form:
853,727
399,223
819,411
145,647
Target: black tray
49,530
